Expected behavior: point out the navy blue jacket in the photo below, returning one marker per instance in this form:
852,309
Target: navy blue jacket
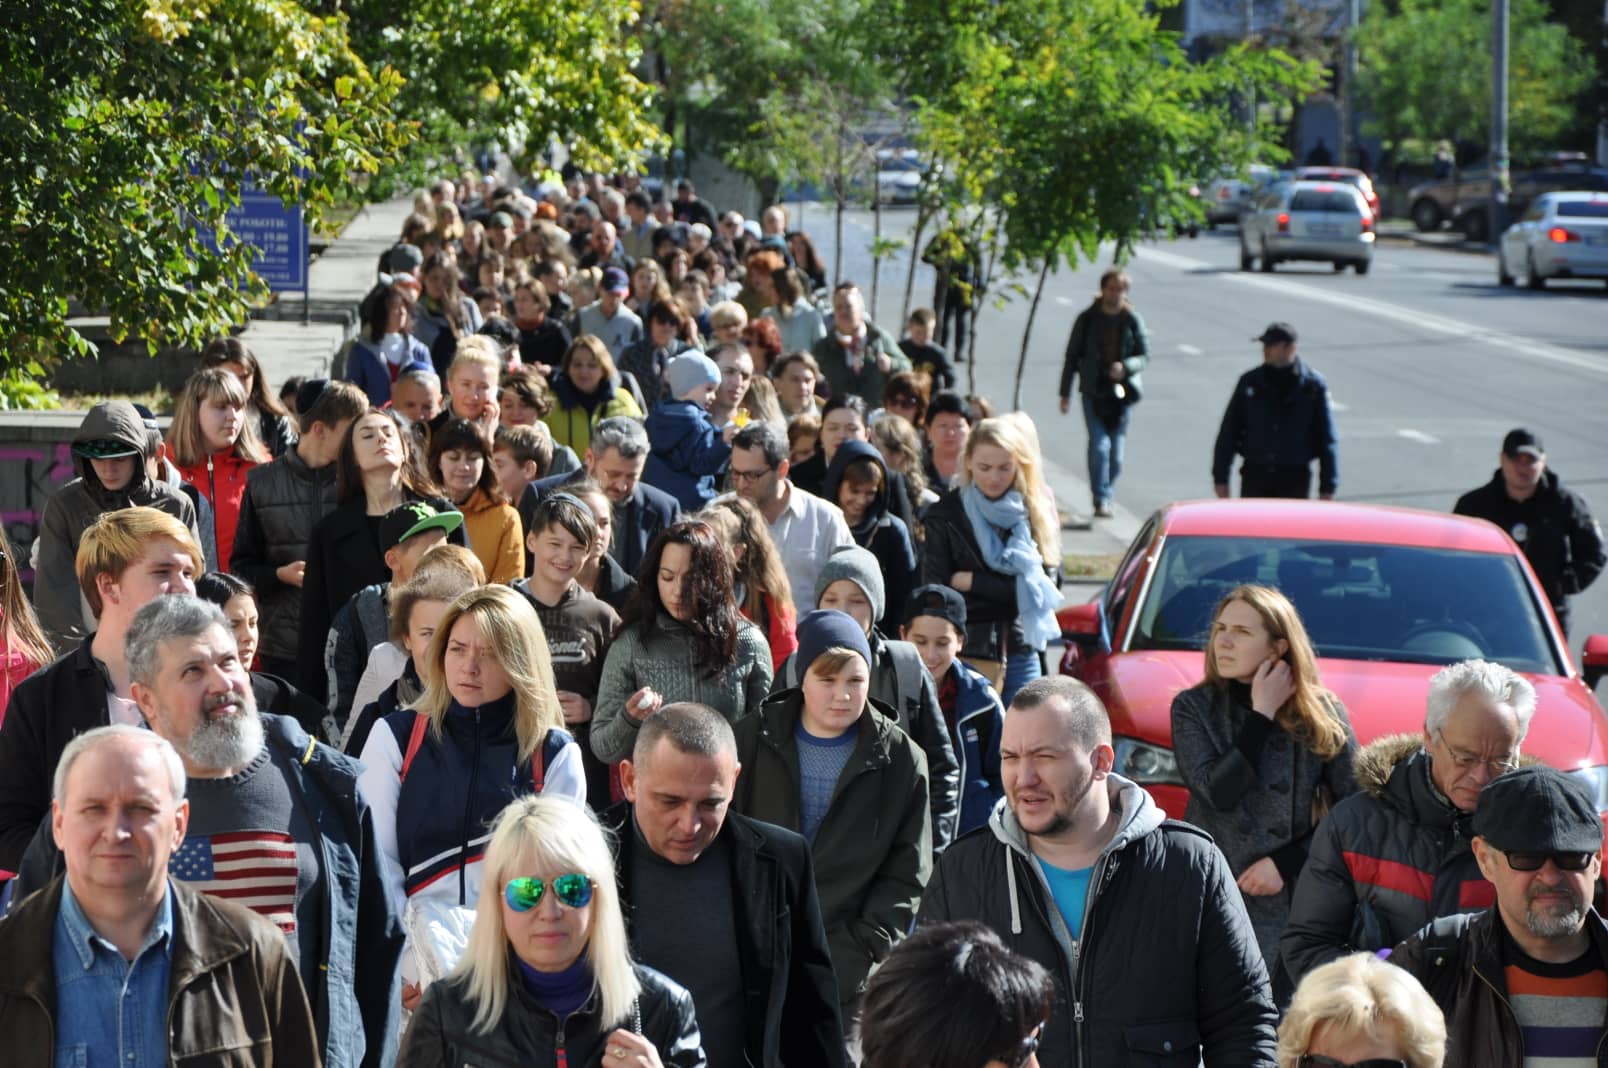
1279,428
686,453
365,367
636,523
979,718
879,530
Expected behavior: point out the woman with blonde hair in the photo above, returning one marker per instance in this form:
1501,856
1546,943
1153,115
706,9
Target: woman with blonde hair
1362,1012
213,442
760,402
896,439
586,390
996,542
764,595
547,974
1265,751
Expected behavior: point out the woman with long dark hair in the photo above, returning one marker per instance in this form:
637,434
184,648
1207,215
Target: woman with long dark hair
460,461
764,596
385,348
274,425
681,638
444,312
1265,751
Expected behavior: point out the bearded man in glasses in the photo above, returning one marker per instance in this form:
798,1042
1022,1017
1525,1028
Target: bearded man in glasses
1395,855
1525,982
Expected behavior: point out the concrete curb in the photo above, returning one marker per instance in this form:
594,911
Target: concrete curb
1445,241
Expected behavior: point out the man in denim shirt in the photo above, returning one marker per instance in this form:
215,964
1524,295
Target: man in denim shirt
96,967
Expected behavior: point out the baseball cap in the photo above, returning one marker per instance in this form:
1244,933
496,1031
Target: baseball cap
1538,809
415,517
104,449
939,601
1521,441
616,280
403,257
1276,334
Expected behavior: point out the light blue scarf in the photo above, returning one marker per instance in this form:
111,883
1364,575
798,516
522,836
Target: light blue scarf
1037,597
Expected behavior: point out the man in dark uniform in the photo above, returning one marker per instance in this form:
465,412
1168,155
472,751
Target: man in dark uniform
1279,421
1550,523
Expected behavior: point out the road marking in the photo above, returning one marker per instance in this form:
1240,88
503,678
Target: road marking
1065,302
1189,350
1435,324
1417,435
1338,405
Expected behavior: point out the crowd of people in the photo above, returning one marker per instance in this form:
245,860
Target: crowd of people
633,645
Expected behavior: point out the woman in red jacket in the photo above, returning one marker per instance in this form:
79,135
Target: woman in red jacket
213,443
24,648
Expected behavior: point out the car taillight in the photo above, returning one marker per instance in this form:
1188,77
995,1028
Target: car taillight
1367,224
1284,222
1558,235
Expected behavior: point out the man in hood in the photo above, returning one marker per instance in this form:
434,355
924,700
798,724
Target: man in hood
111,452
1136,916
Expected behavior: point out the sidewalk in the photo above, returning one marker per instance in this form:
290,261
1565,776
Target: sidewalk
1402,231
337,282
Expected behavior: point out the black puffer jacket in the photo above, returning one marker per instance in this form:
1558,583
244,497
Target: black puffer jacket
1459,960
1385,862
529,1036
1167,971
283,501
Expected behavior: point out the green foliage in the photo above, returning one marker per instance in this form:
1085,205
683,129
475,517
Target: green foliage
21,390
125,124
1425,72
515,72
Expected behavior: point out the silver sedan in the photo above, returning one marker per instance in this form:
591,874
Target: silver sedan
1325,221
1560,235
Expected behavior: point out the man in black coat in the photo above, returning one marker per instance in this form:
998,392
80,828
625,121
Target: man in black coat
1136,916
615,459
723,904
1278,421
1551,524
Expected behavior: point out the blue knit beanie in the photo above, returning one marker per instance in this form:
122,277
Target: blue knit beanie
825,629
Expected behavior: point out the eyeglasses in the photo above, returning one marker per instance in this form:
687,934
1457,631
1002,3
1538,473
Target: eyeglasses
525,893
902,402
1564,861
748,476
1318,1060
1027,1047
1466,761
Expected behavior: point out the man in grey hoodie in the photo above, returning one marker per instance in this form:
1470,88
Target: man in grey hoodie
110,453
1136,916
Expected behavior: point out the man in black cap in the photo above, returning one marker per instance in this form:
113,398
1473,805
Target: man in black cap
1525,982
1278,421
1551,524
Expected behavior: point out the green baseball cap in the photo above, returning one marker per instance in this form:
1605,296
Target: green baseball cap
415,517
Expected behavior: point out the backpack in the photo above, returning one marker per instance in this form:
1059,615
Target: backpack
550,748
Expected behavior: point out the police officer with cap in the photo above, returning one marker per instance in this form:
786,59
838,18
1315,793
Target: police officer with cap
1550,523
1278,421
1525,981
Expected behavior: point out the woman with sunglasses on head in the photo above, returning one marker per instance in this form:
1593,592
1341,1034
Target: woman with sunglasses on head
954,996
1265,751
488,728
547,976
1361,1012
24,649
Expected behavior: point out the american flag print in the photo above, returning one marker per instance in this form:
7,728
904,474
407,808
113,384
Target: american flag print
256,869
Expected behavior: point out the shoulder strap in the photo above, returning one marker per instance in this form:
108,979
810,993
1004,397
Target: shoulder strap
415,739
907,669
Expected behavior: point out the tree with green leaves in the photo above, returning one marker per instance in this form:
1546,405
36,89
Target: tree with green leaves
1425,72
128,126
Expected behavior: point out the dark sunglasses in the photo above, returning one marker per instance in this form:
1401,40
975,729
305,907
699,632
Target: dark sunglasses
1317,1060
1564,861
525,893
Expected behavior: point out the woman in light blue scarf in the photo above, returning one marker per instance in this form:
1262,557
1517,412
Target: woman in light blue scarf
1005,539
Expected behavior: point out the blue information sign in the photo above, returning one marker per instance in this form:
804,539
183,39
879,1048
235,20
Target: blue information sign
279,234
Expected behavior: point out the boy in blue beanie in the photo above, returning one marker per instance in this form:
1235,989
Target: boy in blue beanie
686,452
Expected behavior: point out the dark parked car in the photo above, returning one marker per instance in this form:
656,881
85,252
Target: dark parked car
1465,202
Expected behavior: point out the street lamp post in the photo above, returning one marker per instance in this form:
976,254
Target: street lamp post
1499,120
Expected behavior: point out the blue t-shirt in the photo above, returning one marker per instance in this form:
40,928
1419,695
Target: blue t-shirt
1070,890
820,764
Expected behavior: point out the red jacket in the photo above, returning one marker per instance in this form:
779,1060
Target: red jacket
221,478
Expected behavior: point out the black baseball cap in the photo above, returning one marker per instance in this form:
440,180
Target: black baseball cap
939,601
1538,809
1520,441
1277,334
415,517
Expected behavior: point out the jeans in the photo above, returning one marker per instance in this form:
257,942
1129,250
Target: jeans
1105,451
1022,666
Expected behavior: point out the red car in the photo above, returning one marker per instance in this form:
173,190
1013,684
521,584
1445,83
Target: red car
1349,175
1388,595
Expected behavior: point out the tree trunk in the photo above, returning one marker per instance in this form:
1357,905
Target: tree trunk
876,243
922,215
984,278
1027,334
839,181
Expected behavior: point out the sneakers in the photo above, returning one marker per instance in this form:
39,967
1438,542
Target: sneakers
1102,510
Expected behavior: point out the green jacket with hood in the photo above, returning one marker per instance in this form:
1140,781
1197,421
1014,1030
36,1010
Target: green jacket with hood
78,503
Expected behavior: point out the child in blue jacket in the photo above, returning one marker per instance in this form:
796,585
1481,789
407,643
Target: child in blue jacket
935,623
686,451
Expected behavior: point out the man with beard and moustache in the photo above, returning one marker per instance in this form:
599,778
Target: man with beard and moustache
1526,982
276,824
1136,916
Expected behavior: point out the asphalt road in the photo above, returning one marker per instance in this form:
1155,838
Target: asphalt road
1429,362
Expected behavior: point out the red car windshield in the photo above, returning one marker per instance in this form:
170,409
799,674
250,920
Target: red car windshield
1358,601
